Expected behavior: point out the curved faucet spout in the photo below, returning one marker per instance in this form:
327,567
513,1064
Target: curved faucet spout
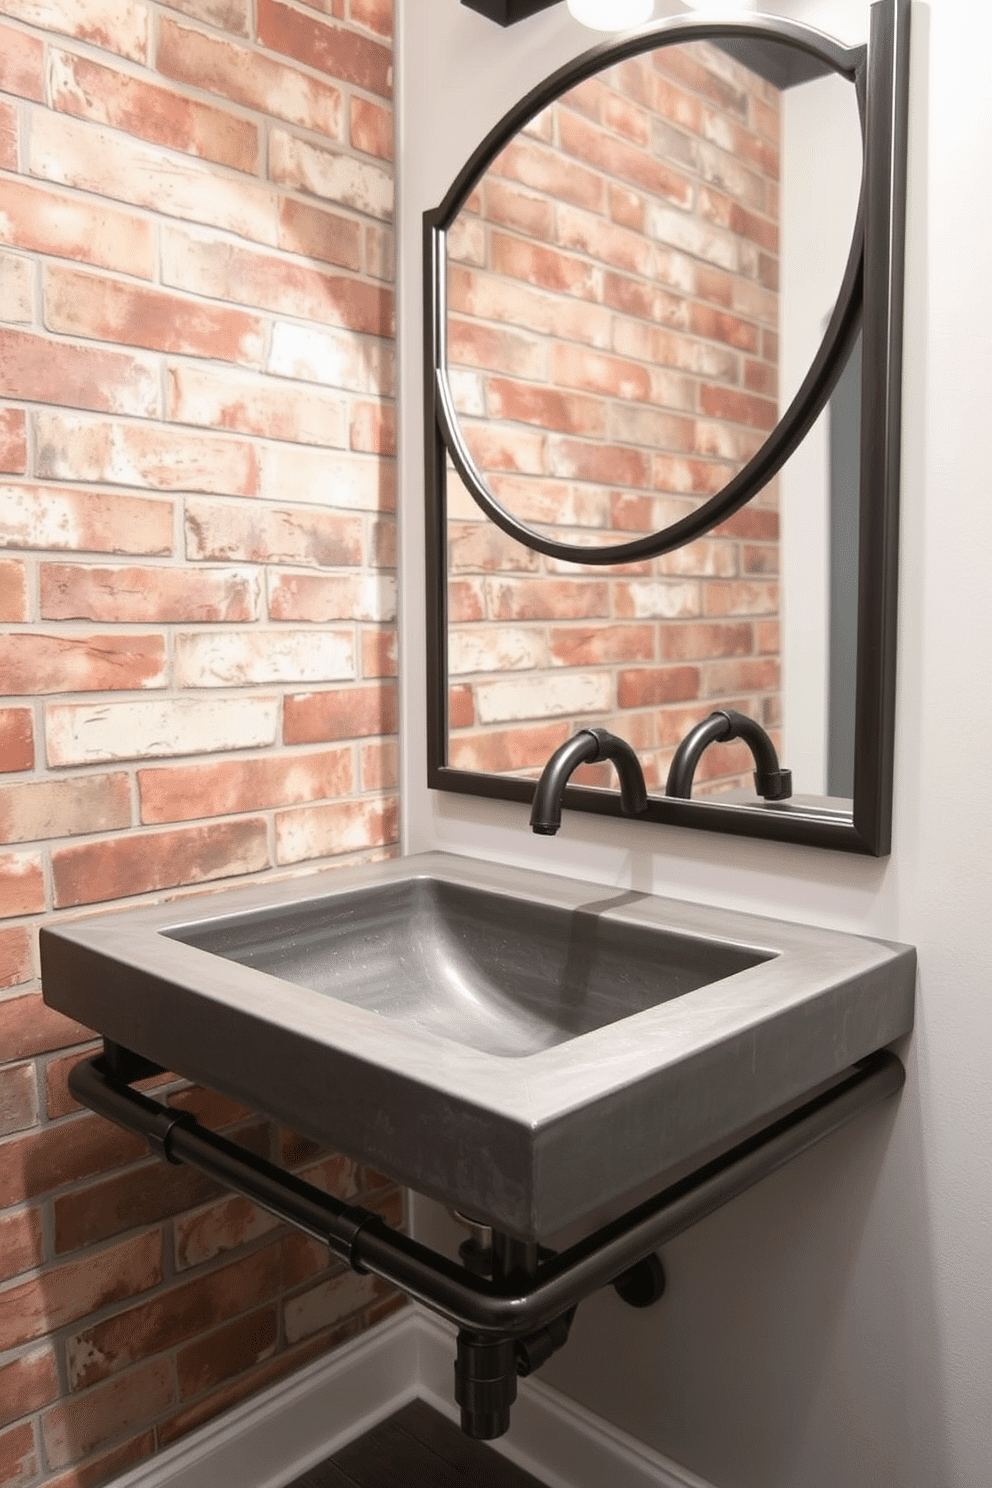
586,748
770,780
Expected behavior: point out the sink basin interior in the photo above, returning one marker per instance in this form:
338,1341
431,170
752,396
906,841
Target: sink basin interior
488,970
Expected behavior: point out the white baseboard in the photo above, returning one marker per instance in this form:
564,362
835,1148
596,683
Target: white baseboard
281,1432
278,1434
561,1443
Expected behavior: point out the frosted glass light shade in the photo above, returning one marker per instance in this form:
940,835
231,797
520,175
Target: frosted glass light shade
611,15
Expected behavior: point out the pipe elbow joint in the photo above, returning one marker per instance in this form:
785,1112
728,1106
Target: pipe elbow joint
588,747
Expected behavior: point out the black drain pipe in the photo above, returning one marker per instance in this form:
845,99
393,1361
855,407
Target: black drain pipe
494,1315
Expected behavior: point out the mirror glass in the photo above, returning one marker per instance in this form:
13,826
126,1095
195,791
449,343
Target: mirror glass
636,288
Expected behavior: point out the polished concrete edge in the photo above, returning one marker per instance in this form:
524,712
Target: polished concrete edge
277,1435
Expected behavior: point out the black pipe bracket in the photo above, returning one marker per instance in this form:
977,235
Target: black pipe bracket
513,1320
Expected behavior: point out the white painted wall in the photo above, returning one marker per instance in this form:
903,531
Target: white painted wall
821,176
833,1328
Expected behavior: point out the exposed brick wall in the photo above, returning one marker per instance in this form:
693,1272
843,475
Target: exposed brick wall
197,642
613,311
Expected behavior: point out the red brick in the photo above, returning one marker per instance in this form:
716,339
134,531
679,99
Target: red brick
494,347
640,167
328,1303
379,653
102,160
254,405
63,1153
547,599
725,678
33,516
461,707
21,1245
106,1466
174,1316
379,765
315,232
13,441
523,210
243,785
126,1201
548,408
376,15
305,535
22,64
544,267
13,592
532,164
44,221
719,325
577,367
741,599
327,831
228,1351
348,713
232,16
119,26
581,645
220,66
129,314
31,663
603,463
22,884
119,867
16,964
510,749
8,136
651,686
59,1101
236,658
134,595
45,371
18,1458
221,270
78,1426
763,558
751,521
225,1226
31,811
698,641
89,91
738,408
27,1384
28,1027
373,428
371,128
320,598
17,1099
143,454
330,49
65,1293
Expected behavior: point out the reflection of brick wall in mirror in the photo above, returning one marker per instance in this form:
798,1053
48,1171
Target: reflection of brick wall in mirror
613,314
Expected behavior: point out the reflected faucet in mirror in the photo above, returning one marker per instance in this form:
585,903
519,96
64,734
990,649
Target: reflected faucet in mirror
770,780
588,747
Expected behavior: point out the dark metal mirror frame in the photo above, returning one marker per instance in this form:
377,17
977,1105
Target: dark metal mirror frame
870,299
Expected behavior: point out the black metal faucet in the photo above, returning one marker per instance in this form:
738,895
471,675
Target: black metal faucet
770,780
586,748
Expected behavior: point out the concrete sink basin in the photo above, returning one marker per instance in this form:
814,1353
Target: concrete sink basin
533,1050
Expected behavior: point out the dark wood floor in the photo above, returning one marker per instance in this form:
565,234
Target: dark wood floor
416,1448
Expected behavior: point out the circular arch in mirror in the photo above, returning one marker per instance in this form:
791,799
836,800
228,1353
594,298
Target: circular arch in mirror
743,38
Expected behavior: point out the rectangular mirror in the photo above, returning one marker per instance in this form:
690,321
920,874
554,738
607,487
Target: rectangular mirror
664,313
